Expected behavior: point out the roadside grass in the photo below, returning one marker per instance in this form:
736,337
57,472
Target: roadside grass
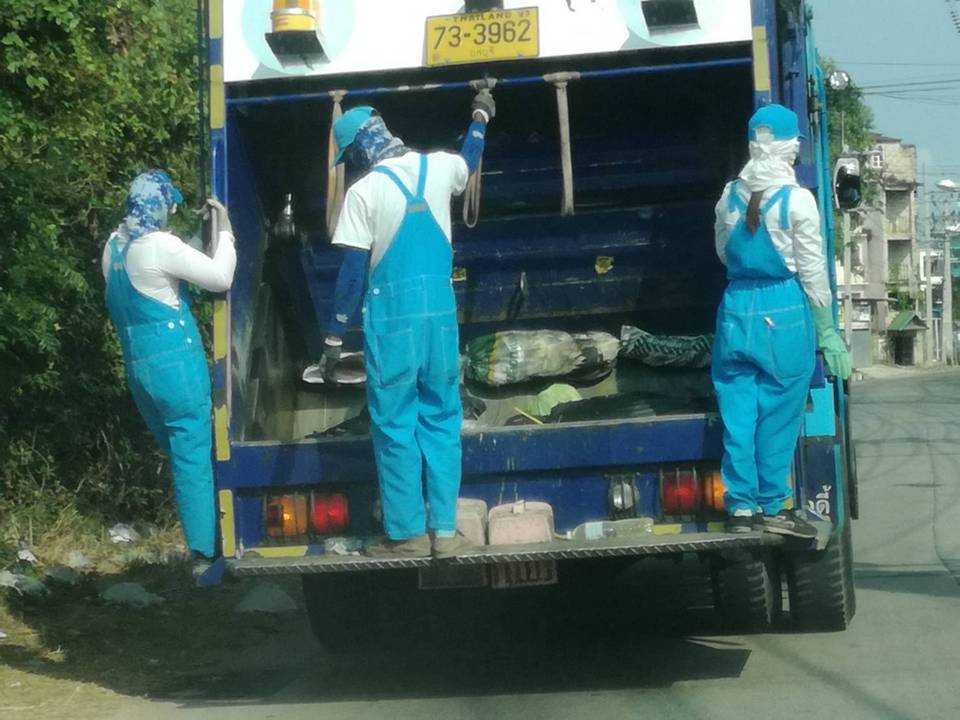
71,654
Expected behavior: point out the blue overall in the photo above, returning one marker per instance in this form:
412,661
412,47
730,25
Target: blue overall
167,373
763,360
411,343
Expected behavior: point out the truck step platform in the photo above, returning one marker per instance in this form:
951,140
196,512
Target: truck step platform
250,564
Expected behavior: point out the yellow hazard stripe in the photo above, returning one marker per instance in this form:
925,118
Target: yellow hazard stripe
218,102
221,433
761,60
221,343
670,529
280,552
216,19
228,528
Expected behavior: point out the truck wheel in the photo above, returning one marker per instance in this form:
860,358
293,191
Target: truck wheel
822,596
747,591
341,609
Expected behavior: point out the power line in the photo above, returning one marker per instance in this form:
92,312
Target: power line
897,85
897,64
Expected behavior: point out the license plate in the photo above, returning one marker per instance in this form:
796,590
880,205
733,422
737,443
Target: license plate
446,577
523,574
482,37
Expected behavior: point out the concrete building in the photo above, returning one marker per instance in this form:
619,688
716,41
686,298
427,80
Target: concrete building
884,277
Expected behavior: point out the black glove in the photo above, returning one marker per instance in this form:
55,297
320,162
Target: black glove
484,102
328,362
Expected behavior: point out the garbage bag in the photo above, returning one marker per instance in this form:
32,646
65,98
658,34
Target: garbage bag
686,351
516,356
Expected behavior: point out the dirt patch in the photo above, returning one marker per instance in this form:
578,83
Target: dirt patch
72,655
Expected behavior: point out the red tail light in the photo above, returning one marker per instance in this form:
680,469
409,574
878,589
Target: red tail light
329,514
680,492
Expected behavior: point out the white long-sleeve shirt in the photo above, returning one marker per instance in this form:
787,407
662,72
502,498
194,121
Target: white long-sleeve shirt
158,261
800,245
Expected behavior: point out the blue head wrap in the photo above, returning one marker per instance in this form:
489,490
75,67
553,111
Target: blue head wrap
151,197
374,143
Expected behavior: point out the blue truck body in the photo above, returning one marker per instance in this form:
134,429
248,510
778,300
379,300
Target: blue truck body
656,134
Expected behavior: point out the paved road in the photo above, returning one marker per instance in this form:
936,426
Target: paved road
898,660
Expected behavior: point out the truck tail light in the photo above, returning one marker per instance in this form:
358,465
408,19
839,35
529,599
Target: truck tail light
713,490
329,514
286,516
680,492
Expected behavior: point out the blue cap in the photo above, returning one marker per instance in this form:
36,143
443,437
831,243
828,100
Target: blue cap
346,128
782,122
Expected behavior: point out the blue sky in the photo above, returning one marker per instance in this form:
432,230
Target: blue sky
902,41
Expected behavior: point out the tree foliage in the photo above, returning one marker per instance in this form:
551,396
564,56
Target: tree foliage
90,94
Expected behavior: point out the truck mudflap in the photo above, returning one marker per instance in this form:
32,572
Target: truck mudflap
493,555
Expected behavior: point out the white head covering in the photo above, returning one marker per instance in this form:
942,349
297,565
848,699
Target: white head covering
771,163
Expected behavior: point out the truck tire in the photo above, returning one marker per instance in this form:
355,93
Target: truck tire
341,609
747,591
820,585
849,456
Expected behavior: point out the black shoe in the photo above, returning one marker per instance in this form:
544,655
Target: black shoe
788,522
741,523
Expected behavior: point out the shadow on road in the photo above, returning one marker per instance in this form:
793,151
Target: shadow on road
195,650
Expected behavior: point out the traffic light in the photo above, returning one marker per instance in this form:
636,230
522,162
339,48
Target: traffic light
847,184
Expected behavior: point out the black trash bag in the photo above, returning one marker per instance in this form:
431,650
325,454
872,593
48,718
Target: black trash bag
677,351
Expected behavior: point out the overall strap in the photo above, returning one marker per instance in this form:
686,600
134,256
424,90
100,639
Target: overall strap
422,185
115,254
782,196
393,176
734,201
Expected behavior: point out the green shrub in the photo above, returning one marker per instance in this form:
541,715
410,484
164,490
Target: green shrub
90,94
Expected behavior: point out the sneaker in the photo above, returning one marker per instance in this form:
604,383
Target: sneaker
787,522
444,547
741,521
415,547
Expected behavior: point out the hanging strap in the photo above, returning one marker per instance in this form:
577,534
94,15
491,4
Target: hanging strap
336,174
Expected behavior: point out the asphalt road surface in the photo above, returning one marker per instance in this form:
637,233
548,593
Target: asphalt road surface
899,659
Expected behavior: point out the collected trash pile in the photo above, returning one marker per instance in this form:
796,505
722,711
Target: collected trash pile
551,371
516,356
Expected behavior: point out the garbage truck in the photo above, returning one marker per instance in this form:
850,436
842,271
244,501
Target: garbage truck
618,124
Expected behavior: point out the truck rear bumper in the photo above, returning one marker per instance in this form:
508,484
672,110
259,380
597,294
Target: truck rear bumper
492,554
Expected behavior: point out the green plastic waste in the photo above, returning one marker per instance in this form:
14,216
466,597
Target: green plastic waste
676,351
516,356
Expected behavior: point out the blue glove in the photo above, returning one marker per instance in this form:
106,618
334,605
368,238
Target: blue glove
831,345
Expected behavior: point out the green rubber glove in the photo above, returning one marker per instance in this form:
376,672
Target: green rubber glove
831,345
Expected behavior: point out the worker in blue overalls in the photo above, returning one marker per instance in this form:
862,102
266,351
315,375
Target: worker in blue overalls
145,268
395,233
776,312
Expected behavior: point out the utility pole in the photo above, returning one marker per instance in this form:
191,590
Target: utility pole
948,355
847,299
928,307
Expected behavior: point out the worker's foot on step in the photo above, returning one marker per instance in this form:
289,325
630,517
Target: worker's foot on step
743,521
414,547
788,522
444,547
201,563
